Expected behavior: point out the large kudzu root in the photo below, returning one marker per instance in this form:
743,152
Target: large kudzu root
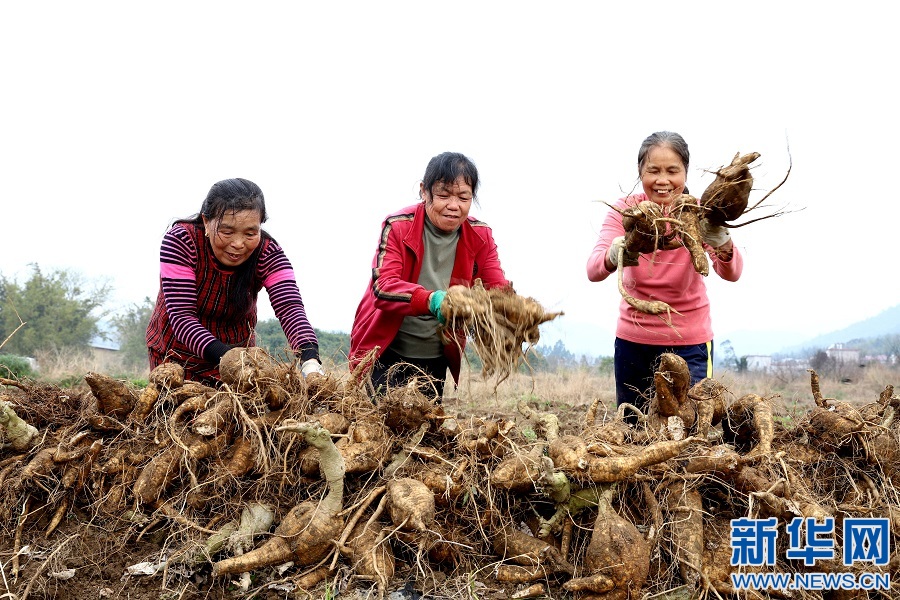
411,504
650,227
708,396
749,423
255,520
646,228
114,397
528,551
685,508
650,307
617,560
248,368
169,464
690,234
16,433
306,534
672,379
833,424
519,471
726,198
217,418
671,411
725,464
211,546
165,377
570,454
406,409
371,556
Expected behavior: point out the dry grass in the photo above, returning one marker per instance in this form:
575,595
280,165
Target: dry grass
573,390
61,364
553,392
792,393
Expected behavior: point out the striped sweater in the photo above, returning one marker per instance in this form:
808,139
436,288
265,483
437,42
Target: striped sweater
193,323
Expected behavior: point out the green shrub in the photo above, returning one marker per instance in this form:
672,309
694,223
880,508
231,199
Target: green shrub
15,367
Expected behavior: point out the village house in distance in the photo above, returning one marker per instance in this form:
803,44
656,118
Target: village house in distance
840,354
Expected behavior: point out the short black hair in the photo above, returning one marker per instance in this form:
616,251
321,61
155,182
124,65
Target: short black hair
447,168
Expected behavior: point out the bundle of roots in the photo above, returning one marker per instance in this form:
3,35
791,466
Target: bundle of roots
498,321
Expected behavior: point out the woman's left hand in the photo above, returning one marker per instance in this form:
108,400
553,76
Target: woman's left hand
714,235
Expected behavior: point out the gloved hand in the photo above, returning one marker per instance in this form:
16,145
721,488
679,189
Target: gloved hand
630,259
434,305
714,235
311,366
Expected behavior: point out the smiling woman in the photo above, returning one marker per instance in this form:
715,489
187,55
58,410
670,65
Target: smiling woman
422,251
660,274
212,267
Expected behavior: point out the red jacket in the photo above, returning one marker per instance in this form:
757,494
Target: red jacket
393,293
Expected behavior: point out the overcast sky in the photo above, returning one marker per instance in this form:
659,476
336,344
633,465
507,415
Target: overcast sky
117,118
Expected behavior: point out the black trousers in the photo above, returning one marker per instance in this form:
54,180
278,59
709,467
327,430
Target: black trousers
393,370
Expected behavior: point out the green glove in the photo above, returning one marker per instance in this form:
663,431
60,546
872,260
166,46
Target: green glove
434,305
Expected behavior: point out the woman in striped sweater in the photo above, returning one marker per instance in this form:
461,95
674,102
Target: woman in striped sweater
212,267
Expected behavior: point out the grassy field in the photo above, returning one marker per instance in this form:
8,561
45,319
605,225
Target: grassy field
575,389
562,392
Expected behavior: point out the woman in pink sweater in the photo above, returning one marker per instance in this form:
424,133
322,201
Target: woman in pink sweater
667,275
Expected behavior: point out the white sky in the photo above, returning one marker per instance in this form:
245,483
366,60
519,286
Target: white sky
117,117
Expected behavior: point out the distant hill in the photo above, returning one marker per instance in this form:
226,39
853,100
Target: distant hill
884,323
759,342
763,342
580,338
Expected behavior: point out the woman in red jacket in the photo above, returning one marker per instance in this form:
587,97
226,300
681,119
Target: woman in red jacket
424,249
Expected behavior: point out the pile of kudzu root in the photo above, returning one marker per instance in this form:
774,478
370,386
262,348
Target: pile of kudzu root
271,479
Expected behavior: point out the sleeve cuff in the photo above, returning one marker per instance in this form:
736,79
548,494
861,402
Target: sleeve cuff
308,351
419,301
215,351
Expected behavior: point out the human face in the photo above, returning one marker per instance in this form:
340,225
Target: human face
447,206
663,175
235,236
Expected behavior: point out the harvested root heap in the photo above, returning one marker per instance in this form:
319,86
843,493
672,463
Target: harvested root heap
499,322
273,480
650,227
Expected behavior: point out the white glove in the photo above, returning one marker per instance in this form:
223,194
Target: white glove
629,258
311,366
714,235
